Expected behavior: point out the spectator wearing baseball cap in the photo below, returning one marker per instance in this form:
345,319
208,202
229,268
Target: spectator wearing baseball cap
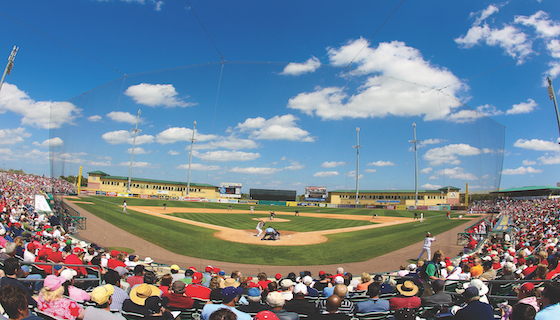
175,272
287,287
474,309
266,315
254,299
197,290
230,296
311,292
207,275
322,282
276,301
75,258
102,297
177,297
52,302
526,294
69,289
299,304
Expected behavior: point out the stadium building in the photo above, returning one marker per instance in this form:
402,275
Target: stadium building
102,183
444,196
535,192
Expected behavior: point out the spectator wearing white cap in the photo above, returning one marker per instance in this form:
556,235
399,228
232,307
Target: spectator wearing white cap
299,304
276,302
328,291
69,289
287,287
308,282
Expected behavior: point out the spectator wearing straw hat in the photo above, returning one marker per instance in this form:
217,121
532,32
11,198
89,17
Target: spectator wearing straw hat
102,296
137,301
407,296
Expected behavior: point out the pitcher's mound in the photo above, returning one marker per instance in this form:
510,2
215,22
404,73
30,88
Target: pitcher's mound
287,238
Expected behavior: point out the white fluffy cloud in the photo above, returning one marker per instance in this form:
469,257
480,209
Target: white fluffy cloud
53,143
139,164
523,107
296,69
13,136
528,162
381,163
450,154
332,164
230,143
94,118
370,170
544,27
381,95
429,186
255,170
173,153
123,136
178,134
120,116
469,115
325,174
224,155
39,114
294,166
138,150
537,145
453,173
520,170
427,170
155,95
552,159
198,167
276,128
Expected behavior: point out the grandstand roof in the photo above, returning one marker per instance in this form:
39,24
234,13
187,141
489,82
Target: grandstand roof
385,191
525,189
98,172
159,181
449,188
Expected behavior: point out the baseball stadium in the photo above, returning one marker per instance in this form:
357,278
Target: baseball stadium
216,181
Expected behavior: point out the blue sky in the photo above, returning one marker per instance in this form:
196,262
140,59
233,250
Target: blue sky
278,89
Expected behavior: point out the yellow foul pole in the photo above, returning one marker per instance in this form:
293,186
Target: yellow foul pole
79,179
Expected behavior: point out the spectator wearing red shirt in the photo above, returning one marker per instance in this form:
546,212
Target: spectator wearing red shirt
54,255
263,281
407,297
177,297
114,262
196,290
138,277
75,258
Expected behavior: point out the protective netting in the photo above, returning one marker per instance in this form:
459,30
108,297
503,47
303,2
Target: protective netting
265,126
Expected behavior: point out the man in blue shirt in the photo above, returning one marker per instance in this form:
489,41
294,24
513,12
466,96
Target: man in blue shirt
551,300
374,304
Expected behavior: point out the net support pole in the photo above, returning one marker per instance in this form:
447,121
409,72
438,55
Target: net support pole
357,146
132,153
552,96
190,161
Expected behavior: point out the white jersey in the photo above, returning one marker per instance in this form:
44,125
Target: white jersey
260,225
428,242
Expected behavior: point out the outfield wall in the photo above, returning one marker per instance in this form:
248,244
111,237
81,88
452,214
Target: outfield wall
268,203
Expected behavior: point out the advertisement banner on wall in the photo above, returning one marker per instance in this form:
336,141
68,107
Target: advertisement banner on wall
248,202
111,194
332,205
90,193
144,196
100,193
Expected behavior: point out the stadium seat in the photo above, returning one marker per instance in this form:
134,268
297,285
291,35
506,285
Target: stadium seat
45,316
373,315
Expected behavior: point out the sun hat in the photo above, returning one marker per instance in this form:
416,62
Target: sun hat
101,294
148,260
229,282
68,273
287,283
482,288
275,299
53,282
141,292
408,288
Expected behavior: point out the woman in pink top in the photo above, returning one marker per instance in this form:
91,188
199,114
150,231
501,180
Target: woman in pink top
52,302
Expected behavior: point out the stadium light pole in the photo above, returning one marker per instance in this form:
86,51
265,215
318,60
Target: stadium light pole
132,152
552,96
415,164
190,161
357,146
9,66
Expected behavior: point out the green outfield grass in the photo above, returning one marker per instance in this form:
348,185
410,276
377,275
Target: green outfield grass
199,242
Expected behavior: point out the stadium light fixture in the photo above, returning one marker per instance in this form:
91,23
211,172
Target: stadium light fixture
190,161
552,97
9,66
132,152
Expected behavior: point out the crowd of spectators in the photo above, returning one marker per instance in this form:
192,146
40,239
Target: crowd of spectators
521,264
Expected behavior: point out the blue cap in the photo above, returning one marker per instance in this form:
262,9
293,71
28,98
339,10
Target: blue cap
254,292
470,292
25,268
222,273
229,293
